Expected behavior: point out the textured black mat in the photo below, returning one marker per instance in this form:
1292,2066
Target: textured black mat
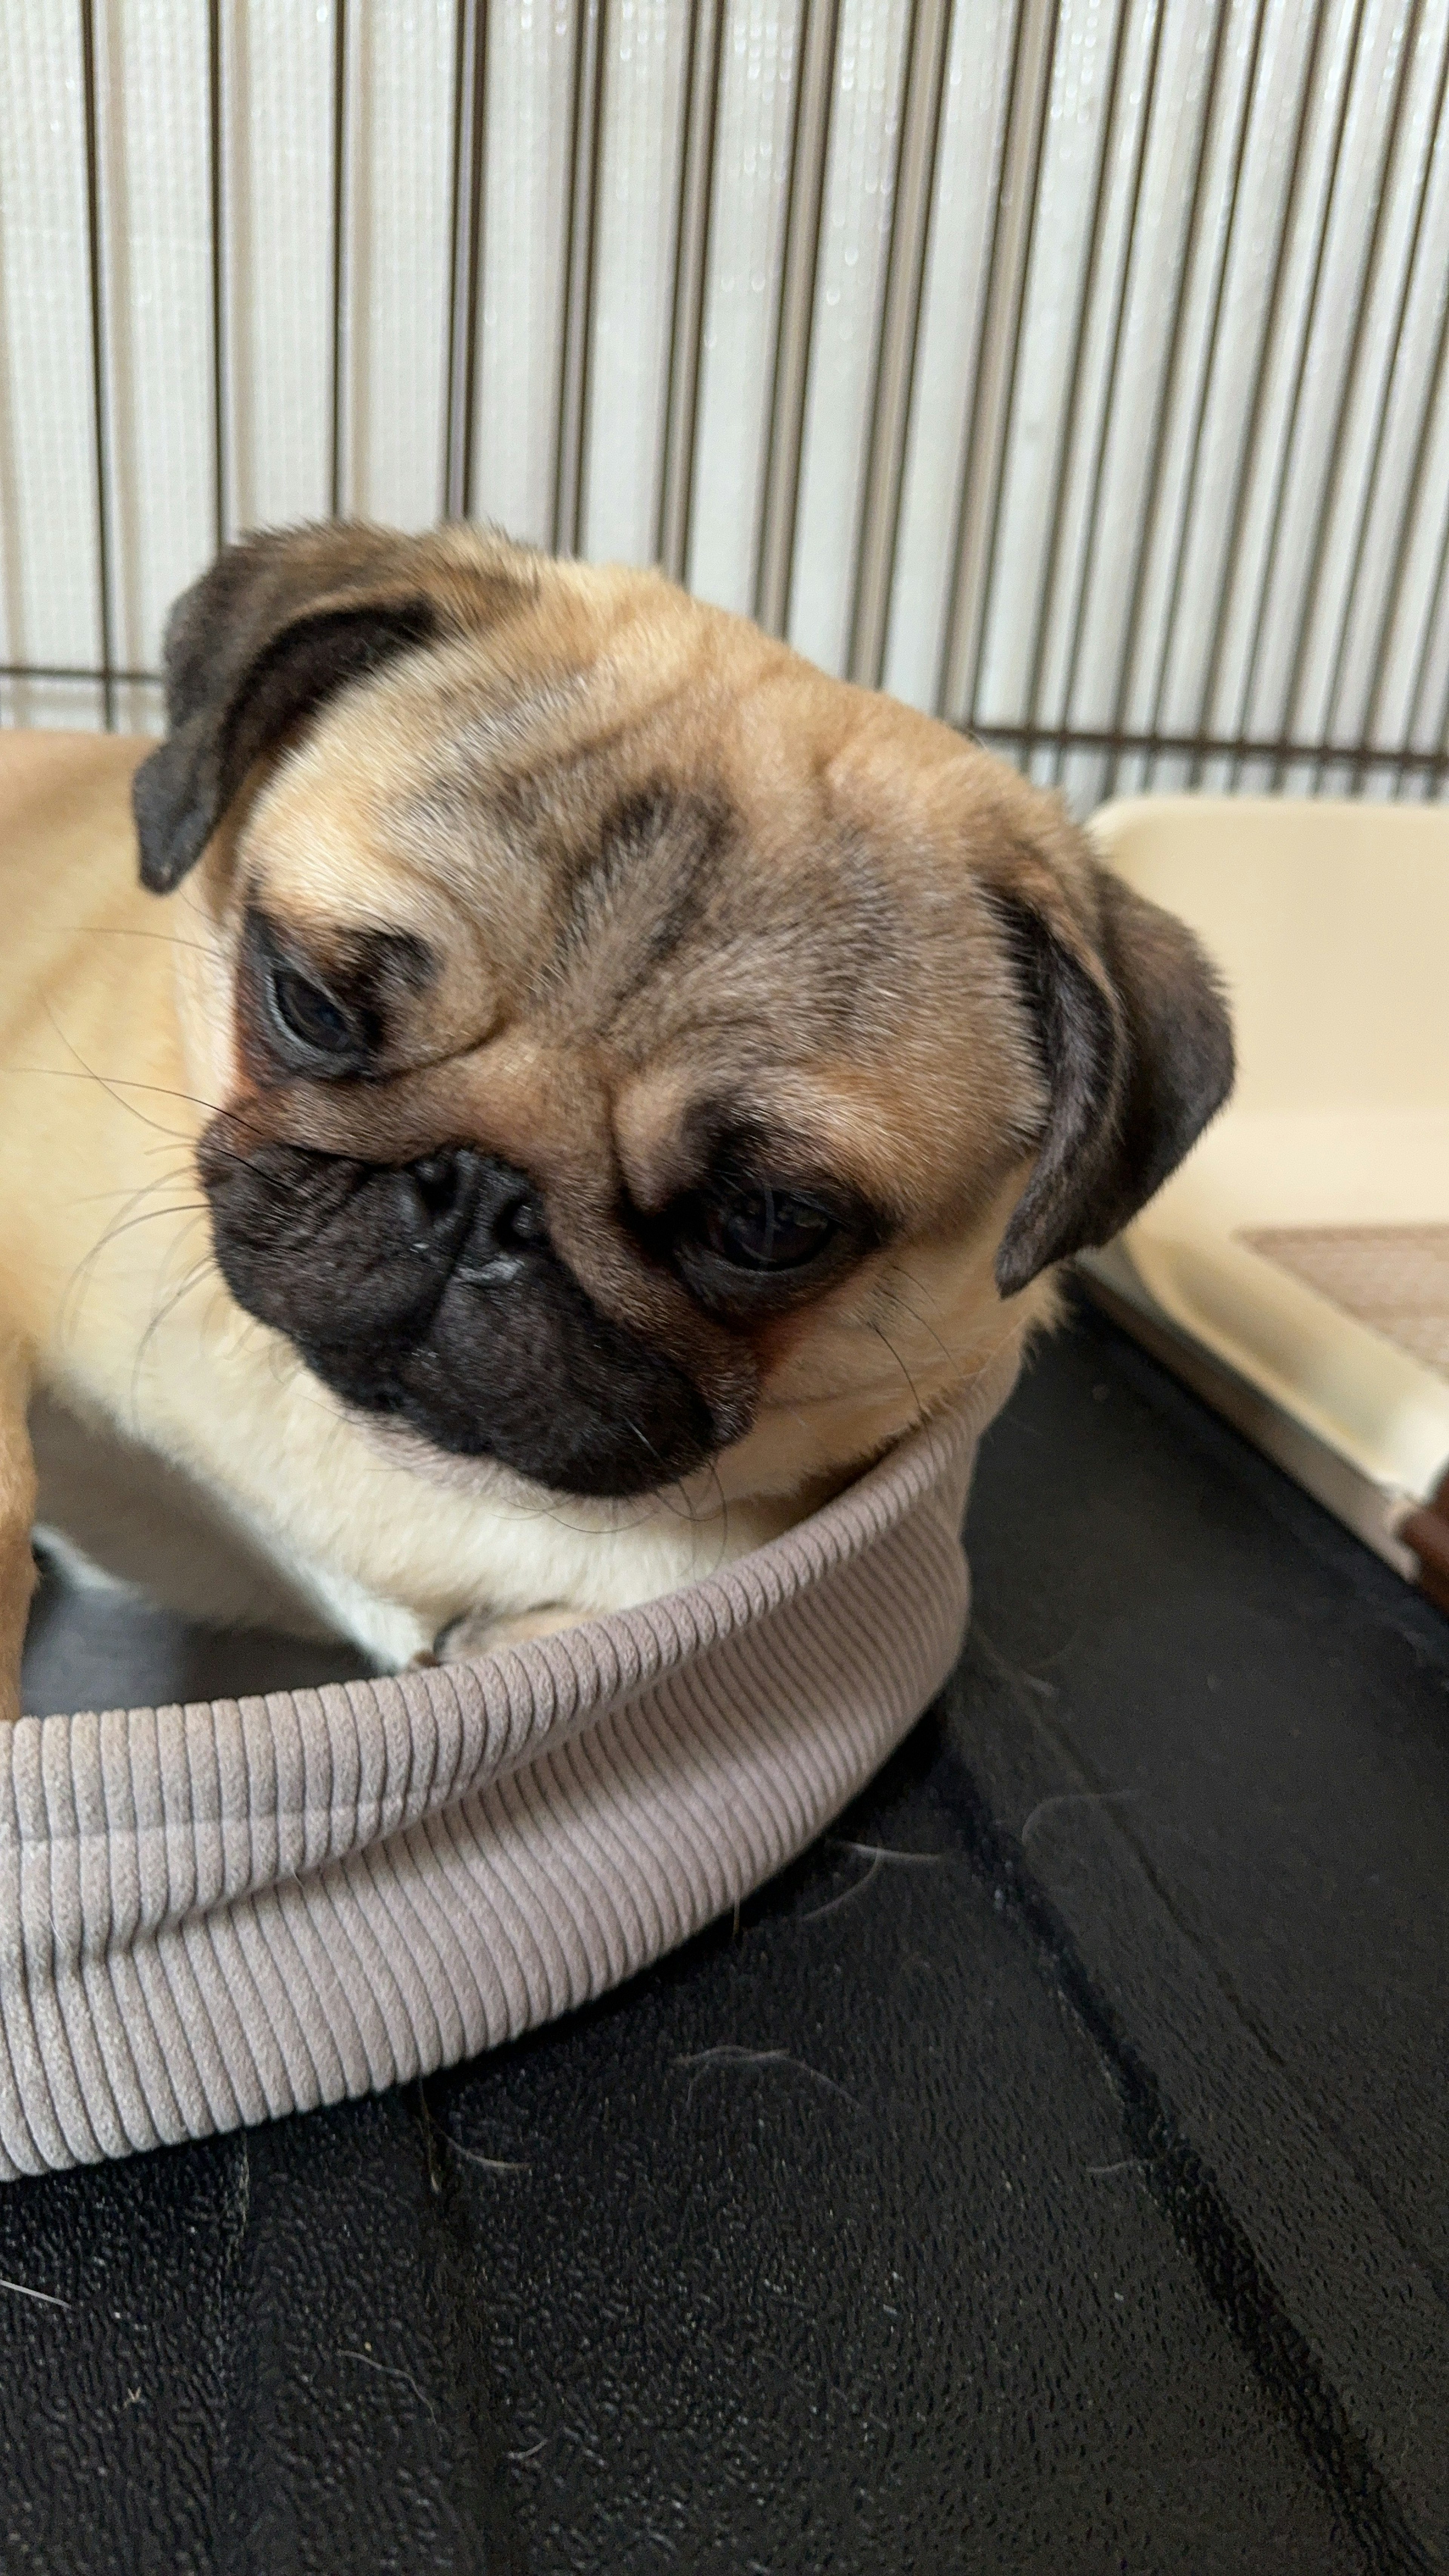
1048,2174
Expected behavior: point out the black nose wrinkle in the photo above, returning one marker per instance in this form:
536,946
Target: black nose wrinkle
438,1181
503,1196
439,1200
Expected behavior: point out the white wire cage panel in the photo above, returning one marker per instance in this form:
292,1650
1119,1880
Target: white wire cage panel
1075,368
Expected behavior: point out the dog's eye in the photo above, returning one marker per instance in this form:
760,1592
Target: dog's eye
761,1228
310,1015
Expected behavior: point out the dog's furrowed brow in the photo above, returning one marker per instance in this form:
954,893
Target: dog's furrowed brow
648,870
673,1148
359,951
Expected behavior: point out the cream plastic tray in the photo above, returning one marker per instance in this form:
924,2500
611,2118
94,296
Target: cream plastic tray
1296,1269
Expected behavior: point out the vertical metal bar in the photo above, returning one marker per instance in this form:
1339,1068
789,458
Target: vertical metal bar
1188,508
216,142
1066,431
691,274
1333,475
1167,388
1399,555
1247,451
1389,370
993,390
923,93
1437,590
339,252
809,160
1107,411
470,112
99,391
571,450
1440,735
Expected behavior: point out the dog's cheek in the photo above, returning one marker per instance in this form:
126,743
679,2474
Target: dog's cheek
778,1343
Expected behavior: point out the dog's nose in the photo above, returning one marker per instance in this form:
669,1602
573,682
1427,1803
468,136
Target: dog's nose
436,1182
465,1196
507,1211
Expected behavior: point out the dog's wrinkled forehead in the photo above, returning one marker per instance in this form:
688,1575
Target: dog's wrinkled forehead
703,878
643,853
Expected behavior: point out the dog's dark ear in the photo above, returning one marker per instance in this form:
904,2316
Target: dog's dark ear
1137,1052
278,625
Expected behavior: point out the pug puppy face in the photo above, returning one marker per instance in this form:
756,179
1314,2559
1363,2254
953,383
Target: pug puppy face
637,1054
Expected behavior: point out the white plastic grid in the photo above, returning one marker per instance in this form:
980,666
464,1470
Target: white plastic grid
1075,367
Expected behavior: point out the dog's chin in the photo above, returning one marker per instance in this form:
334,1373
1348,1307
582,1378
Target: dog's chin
560,1449
480,1478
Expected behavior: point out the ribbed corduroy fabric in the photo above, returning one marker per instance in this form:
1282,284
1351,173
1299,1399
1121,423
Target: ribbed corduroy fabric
213,1915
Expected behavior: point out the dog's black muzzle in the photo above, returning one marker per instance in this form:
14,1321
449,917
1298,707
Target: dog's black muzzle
432,1294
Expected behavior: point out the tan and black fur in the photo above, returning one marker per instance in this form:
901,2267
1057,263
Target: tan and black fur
534,939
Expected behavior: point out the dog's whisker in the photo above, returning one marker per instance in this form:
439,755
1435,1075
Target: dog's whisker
121,1224
178,1173
950,1357
121,930
115,1084
192,1281
149,1216
723,1517
84,1274
882,1335
63,1073
898,1270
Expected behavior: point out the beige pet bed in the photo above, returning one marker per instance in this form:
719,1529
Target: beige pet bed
213,1915
1296,1269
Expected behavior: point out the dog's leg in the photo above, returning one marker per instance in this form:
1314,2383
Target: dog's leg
480,1632
17,1515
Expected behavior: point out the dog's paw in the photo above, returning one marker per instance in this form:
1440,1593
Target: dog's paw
482,1632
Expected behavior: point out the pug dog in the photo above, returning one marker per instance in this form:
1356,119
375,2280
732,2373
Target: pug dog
527,1090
